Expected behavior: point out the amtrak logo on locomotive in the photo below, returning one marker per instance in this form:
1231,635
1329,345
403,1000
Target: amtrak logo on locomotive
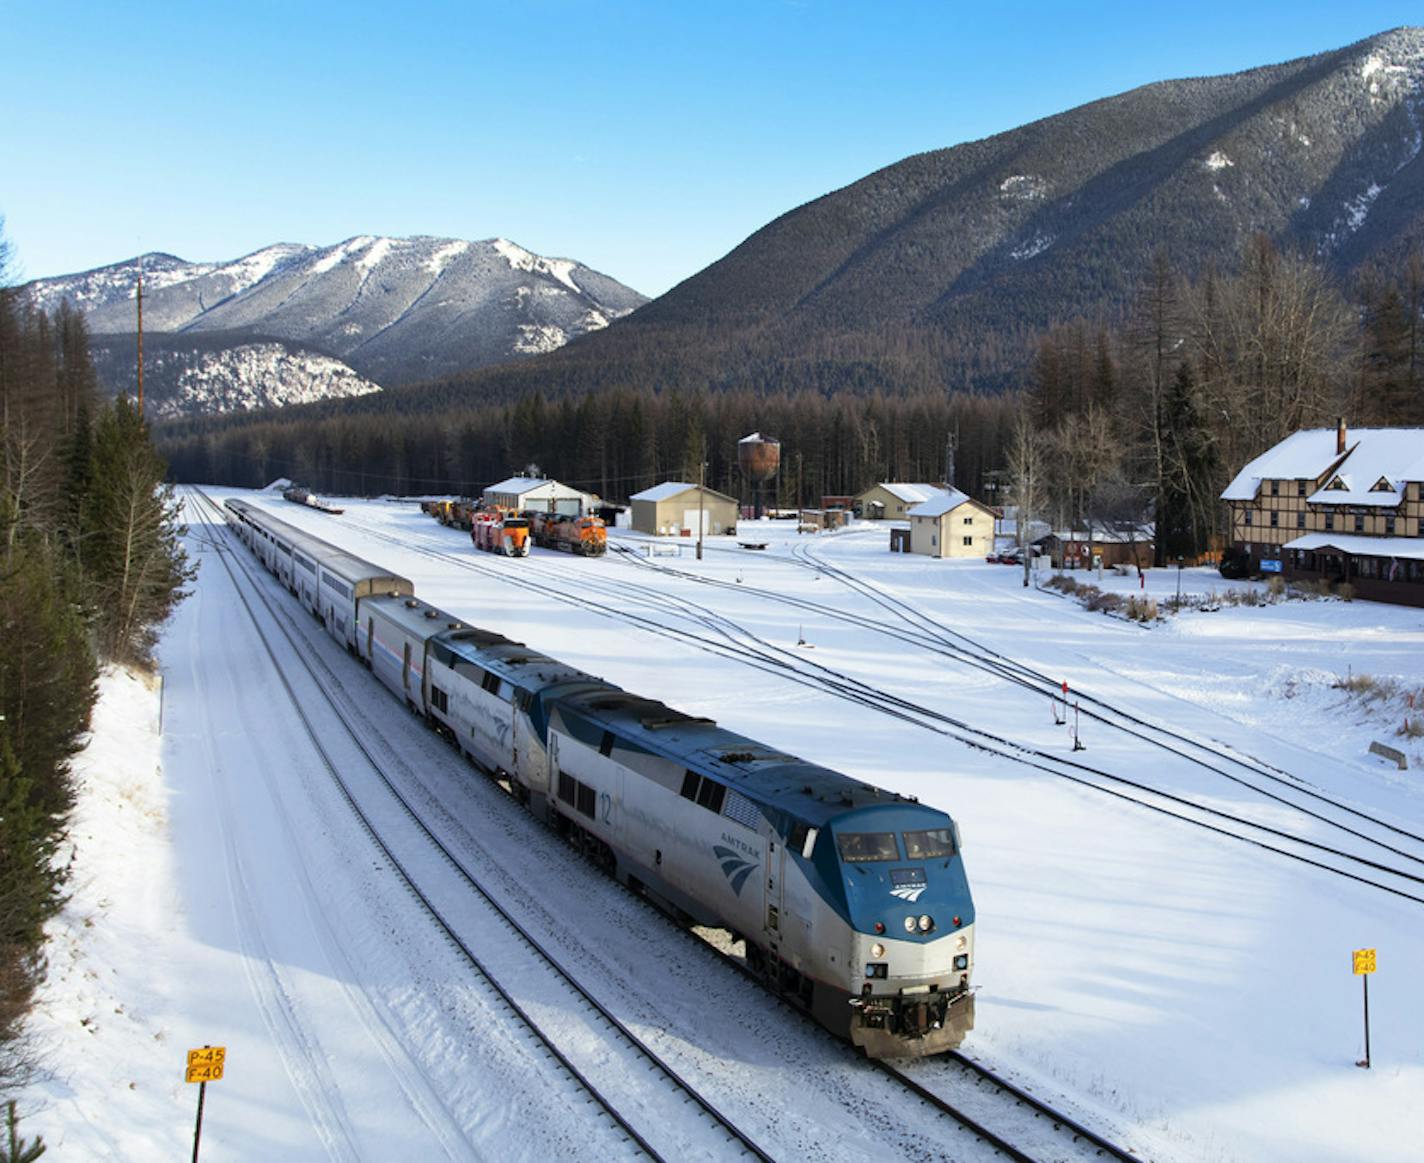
734,868
909,883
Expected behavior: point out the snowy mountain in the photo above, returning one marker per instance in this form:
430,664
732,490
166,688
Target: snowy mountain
392,310
214,375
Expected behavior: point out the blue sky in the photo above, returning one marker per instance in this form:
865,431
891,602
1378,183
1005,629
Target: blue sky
644,139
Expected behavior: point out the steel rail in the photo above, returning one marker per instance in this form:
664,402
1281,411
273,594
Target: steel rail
733,1131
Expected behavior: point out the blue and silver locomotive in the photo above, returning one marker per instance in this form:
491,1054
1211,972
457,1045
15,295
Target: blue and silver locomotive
852,901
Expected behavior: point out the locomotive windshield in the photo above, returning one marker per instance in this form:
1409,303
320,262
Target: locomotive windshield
863,847
929,845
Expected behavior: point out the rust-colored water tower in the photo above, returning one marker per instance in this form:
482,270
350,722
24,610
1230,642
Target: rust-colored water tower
760,460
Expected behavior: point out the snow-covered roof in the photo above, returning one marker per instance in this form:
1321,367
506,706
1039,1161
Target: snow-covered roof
911,494
1403,547
1397,454
939,505
663,491
1105,536
521,485
757,436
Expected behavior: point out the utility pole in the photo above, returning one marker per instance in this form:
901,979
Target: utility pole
701,506
140,336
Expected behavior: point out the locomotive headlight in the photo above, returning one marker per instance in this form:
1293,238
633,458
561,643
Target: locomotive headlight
962,961
961,943
877,950
926,923
909,924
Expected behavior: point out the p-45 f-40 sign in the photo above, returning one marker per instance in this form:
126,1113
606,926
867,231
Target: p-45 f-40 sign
205,1064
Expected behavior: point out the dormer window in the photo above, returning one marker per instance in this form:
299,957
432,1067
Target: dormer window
1337,485
1382,486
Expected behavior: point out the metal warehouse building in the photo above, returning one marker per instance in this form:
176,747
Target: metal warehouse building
671,509
538,493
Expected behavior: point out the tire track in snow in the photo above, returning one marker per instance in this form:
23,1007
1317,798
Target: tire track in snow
372,1017
306,1066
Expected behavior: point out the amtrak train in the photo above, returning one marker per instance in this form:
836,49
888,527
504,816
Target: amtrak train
852,901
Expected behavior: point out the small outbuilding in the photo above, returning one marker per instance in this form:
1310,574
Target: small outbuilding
679,509
539,494
1130,546
893,500
952,524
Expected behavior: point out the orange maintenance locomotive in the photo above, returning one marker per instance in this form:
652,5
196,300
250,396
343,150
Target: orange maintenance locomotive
494,532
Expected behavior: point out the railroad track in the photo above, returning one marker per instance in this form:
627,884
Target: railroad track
731,641
1035,1129
1403,878
615,1040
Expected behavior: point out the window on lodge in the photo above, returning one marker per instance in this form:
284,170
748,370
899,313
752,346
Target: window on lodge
1275,519
1275,488
1329,521
1359,523
1300,520
969,541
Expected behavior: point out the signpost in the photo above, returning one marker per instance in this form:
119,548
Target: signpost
205,1065
1364,965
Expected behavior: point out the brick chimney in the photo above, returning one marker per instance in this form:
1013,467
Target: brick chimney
1340,437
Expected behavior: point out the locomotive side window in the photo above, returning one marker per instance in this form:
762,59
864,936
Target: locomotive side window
711,794
491,682
929,845
690,780
863,847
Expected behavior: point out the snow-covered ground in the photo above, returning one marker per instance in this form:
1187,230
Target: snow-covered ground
1188,994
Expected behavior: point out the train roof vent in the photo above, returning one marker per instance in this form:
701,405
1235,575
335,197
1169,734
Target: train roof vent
432,613
411,603
737,757
658,722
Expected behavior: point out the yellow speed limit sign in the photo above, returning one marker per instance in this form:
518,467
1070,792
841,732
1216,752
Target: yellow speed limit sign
205,1064
1364,960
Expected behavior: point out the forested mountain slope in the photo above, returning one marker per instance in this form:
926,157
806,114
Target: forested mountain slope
943,268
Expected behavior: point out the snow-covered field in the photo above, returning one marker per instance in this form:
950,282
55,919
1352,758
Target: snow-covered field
1188,994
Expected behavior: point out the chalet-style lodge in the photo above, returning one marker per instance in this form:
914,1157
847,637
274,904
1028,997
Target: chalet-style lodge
1327,504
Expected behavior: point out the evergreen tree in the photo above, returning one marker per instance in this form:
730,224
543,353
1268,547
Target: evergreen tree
130,541
31,887
46,669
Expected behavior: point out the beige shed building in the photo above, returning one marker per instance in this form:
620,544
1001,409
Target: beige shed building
675,509
893,500
952,524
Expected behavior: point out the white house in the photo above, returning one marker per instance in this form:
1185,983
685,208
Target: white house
952,524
